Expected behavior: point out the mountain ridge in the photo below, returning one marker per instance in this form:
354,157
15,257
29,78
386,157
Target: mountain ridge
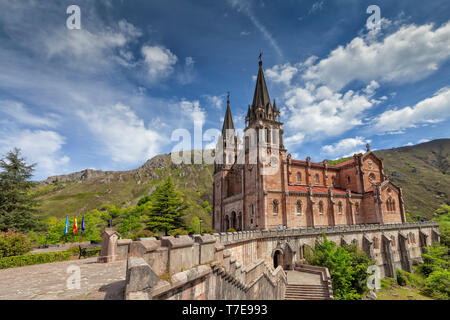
422,170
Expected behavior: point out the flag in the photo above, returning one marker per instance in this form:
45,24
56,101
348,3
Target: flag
82,225
75,226
66,229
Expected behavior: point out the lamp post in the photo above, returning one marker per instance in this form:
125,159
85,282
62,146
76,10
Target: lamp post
201,220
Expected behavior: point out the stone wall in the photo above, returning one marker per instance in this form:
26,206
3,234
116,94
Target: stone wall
241,265
186,268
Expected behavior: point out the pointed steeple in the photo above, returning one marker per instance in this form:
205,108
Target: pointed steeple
261,96
228,120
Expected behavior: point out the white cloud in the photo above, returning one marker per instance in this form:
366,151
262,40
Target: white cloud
159,61
42,147
98,45
430,110
122,133
410,54
281,73
187,75
193,111
294,140
345,147
215,101
18,112
318,111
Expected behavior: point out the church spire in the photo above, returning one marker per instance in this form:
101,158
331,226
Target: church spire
261,96
228,120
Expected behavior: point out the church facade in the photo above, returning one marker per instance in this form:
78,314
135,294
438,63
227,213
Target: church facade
264,188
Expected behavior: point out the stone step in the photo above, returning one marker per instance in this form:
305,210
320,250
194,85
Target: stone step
307,298
305,294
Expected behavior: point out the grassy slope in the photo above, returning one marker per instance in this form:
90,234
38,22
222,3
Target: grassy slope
124,189
422,170
424,173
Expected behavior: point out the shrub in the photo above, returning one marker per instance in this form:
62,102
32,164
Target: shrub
231,230
437,285
401,278
14,244
178,232
30,259
144,234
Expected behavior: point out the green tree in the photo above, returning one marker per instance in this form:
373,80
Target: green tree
195,225
339,262
17,205
442,214
166,209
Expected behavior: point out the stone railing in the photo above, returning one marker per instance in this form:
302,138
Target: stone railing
324,273
199,268
232,237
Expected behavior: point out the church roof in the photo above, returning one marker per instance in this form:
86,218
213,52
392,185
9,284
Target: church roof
261,96
228,120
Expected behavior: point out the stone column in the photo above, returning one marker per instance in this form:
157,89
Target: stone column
109,246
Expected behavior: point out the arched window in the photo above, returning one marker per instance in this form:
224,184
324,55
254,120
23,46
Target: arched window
333,181
357,208
320,207
299,177
340,207
390,205
371,178
316,179
348,180
299,207
275,206
253,210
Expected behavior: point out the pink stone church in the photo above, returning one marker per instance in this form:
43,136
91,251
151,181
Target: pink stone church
300,193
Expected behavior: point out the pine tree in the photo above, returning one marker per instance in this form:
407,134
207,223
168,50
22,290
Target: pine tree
17,205
166,210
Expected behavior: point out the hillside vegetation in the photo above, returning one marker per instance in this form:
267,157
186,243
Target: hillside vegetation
422,170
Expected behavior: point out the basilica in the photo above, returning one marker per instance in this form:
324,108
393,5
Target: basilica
298,193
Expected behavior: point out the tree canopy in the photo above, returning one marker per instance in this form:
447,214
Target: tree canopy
17,204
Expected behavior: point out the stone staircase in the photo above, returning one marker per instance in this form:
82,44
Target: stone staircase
308,283
306,292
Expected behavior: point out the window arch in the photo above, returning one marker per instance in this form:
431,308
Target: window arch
316,178
320,207
390,205
299,207
275,206
253,209
371,178
340,207
357,208
348,180
299,177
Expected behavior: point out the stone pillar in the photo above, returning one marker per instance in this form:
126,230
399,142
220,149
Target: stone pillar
109,246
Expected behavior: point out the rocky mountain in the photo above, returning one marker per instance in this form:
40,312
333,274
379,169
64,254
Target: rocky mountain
422,170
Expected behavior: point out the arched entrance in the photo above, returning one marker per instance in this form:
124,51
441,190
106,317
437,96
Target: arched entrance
284,256
277,258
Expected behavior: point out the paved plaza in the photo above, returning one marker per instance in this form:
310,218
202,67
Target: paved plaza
99,281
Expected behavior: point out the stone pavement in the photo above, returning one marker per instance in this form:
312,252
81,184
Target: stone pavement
99,281
303,278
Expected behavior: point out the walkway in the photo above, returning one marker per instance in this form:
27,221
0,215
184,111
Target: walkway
99,281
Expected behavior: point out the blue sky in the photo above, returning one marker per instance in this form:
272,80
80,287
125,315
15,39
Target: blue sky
110,95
